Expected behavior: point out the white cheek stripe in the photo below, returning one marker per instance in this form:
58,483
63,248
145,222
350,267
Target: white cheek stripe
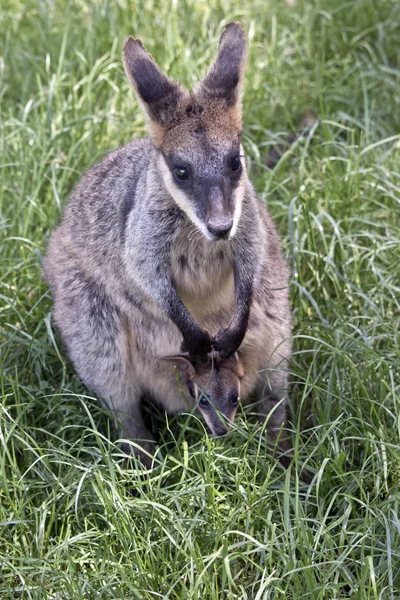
181,200
238,195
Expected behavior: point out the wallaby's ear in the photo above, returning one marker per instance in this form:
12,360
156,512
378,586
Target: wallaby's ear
224,80
182,363
159,96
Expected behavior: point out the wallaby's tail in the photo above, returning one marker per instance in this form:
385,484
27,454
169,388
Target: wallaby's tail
304,129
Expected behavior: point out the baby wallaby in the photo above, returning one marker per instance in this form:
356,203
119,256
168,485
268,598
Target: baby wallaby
211,387
214,386
165,248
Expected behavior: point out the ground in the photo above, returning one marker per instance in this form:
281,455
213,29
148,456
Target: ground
216,518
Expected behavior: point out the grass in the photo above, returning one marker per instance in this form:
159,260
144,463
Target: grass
216,518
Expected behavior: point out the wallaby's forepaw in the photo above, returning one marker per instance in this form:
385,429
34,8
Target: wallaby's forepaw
198,346
226,342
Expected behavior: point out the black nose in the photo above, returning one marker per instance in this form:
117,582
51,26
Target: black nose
220,430
220,229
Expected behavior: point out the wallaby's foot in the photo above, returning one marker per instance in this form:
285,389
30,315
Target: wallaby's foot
143,442
306,476
273,409
144,451
287,460
282,450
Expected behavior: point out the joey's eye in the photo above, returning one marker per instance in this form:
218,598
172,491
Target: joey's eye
234,399
203,401
235,163
181,173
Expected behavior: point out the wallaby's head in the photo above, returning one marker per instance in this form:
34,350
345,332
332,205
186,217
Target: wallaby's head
214,386
197,134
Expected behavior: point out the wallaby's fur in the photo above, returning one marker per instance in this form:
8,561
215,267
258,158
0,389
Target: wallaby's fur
164,247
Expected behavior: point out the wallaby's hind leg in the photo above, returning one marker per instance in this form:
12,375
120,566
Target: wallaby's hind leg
272,406
133,428
93,330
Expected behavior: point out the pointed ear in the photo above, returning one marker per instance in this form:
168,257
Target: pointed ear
182,363
224,80
159,96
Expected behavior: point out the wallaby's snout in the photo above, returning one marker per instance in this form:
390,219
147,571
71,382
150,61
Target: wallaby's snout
220,218
220,228
220,430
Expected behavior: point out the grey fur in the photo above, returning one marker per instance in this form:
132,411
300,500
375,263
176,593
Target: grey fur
135,272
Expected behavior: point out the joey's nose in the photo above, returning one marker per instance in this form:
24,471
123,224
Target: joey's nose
220,229
220,430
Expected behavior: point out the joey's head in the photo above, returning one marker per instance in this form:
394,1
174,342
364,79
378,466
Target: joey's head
197,134
214,387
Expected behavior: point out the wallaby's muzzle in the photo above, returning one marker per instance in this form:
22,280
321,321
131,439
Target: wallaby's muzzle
220,229
219,219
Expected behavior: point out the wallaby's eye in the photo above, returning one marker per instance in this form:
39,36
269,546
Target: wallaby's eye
203,401
181,173
235,163
234,399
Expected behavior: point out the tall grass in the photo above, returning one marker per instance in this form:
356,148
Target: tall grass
215,518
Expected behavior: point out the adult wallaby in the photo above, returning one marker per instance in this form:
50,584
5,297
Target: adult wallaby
164,247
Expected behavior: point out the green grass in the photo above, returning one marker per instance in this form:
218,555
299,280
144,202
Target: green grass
217,518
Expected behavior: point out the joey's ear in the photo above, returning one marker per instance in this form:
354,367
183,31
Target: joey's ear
182,363
224,80
238,365
159,96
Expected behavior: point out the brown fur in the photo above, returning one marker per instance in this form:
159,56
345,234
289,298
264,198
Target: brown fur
136,271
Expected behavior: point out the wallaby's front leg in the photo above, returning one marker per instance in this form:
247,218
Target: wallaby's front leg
133,428
196,341
228,340
153,273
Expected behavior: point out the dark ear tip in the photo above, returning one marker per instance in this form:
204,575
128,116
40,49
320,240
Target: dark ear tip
235,25
234,28
131,45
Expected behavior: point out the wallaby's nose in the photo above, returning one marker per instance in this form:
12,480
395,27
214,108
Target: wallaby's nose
220,229
220,430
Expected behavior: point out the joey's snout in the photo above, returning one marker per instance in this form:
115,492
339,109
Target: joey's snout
219,430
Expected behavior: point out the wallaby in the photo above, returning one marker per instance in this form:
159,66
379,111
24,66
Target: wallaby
214,386
214,391
164,247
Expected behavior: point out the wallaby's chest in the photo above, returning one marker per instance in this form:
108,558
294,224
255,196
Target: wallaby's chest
203,275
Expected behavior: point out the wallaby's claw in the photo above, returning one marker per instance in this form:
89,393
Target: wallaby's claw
226,343
198,347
